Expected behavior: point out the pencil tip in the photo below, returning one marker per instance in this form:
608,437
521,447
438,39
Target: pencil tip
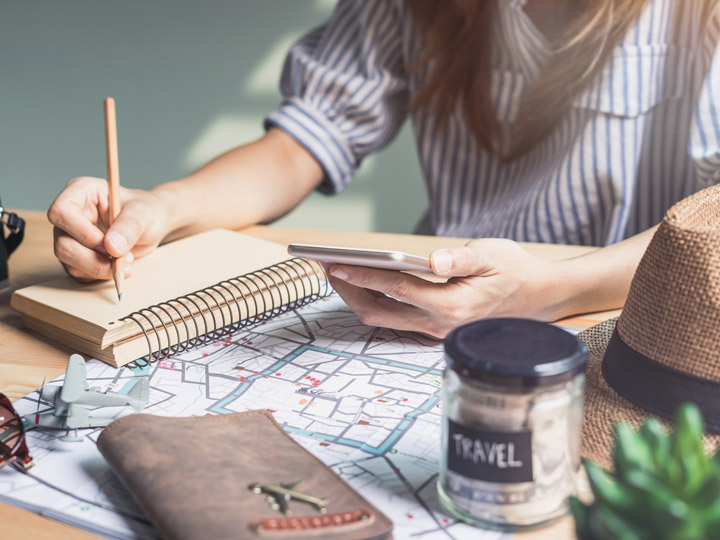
119,297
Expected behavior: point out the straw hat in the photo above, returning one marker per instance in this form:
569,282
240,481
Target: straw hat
664,348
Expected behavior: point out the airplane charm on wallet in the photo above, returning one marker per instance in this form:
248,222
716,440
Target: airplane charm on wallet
279,496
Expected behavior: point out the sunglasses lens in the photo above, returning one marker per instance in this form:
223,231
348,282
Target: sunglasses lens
11,432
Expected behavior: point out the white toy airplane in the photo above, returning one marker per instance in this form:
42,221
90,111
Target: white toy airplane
74,400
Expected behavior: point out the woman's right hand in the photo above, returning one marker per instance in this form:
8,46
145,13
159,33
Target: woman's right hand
84,240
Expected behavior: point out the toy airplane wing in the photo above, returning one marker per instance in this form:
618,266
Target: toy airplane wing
281,502
77,417
75,379
139,395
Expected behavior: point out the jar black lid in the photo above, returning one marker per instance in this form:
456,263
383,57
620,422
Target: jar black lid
515,352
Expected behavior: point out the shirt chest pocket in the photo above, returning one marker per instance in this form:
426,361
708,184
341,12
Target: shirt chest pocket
638,78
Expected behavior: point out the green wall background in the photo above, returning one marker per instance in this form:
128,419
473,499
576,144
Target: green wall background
191,80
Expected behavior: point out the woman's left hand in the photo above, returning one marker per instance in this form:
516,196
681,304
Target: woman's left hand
487,278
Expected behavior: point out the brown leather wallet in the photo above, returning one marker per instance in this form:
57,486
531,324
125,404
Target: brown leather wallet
233,476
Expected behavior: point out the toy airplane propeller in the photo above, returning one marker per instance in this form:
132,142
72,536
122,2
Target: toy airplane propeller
74,400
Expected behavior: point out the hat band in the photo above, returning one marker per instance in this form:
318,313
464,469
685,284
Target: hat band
658,388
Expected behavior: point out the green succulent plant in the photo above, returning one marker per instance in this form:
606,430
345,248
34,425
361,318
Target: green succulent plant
666,487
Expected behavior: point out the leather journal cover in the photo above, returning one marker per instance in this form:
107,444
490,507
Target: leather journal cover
233,476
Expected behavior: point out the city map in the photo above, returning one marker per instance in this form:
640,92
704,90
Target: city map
364,400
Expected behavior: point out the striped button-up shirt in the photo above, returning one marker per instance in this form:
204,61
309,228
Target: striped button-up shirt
644,135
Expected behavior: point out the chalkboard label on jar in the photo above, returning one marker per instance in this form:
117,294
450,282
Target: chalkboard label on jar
491,456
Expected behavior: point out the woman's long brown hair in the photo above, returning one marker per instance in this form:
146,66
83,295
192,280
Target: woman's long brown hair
456,36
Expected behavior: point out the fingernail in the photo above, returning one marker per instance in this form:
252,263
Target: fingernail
442,260
129,257
117,241
128,270
339,273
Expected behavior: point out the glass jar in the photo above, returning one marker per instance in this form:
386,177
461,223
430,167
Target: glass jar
513,394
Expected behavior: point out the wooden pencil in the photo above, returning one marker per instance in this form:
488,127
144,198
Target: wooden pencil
113,184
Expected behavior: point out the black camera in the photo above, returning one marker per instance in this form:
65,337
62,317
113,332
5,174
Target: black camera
12,230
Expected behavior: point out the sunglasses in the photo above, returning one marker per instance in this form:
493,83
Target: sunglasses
13,448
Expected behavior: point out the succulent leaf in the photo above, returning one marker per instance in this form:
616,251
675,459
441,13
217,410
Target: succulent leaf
686,448
631,450
709,493
604,524
580,513
657,439
607,489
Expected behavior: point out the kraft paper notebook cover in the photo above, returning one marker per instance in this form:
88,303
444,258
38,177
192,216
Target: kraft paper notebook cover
183,294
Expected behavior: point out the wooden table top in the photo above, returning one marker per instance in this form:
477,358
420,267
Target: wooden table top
27,358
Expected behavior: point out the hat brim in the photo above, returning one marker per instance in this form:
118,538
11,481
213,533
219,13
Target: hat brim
604,407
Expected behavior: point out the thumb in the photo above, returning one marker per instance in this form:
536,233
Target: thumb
458,261
125,231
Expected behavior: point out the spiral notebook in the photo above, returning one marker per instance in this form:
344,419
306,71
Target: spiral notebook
187,292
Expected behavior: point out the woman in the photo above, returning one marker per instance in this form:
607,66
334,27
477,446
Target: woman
551,121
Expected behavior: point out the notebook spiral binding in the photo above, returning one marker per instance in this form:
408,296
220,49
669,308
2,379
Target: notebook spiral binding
307,279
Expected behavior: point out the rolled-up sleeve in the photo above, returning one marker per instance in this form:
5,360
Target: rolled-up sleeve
705,137
344,88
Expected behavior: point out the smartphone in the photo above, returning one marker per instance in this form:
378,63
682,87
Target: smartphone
375,258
